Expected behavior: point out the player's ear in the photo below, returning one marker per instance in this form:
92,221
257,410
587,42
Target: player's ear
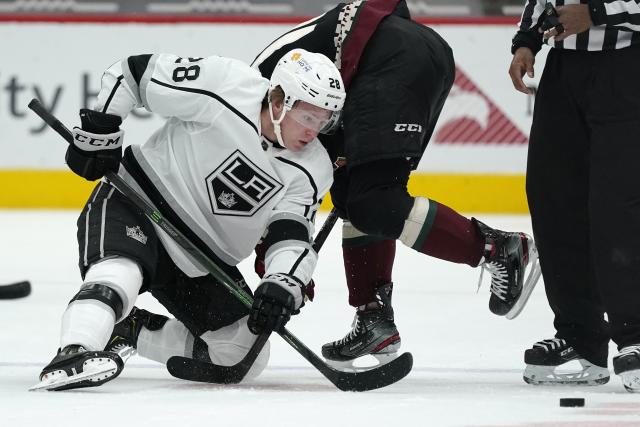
277,105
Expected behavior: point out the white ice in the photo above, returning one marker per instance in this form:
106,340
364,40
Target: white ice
467,362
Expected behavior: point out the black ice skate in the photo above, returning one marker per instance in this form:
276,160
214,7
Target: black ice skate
75,367
506,258
124,339
627,365
545,362
373,332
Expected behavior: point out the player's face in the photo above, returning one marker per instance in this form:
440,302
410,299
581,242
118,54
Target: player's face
301,125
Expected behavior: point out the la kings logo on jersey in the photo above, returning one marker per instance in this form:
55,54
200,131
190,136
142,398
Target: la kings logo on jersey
239,188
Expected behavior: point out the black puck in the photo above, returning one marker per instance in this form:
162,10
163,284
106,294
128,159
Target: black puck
572,402
15,290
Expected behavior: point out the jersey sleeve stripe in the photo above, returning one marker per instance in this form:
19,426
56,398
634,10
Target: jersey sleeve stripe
311,182
211,95
113,92
292,272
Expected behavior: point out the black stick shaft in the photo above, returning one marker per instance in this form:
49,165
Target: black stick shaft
50,119
324,232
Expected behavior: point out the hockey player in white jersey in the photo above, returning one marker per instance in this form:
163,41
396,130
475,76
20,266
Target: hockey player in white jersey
236,162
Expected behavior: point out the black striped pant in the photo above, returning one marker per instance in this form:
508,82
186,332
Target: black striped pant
111,225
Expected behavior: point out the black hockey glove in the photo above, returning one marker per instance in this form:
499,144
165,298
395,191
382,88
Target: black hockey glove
97,146
277,297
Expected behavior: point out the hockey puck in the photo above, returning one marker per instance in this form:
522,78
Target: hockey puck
572,402
15,290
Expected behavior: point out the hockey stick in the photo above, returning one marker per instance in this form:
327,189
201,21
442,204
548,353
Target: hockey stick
205,372
195,370
15,290
374,378
324,232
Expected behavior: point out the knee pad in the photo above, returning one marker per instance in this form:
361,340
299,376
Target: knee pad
115,282
380,211
349,232
422,213
102,293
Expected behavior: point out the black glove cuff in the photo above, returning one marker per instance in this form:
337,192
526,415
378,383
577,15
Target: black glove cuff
92,165
97,122
275,292
530,38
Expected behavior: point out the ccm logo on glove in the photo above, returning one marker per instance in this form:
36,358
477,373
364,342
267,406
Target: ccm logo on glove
92,142
97,145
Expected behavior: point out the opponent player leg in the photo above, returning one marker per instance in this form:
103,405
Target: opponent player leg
437,230
368,264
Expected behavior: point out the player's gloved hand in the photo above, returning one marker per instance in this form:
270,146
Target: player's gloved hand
97,146
277,297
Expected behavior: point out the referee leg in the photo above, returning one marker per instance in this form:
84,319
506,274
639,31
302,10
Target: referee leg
615,190
557,191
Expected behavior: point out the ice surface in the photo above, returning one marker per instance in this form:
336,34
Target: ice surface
467,362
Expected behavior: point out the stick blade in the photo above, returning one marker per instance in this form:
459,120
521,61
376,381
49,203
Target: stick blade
196,370
15,290
378,377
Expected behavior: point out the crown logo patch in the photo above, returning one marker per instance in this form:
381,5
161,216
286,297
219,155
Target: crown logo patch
137,234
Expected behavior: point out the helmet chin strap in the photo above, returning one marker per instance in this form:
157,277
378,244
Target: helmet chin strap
276,123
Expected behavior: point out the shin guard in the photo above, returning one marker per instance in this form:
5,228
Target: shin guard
368,263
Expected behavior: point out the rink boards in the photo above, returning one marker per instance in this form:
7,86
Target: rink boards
475,161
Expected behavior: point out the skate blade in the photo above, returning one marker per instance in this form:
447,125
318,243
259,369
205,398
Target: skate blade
349,366
631,380
589,375
98,372
125,353
529,284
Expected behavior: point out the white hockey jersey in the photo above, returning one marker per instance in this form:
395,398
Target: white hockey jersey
209,169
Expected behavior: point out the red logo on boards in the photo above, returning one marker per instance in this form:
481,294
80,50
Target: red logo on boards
469,116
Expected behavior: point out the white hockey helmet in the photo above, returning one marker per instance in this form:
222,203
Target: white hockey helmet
312,78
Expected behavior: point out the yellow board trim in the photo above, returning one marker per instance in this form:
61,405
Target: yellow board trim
58,189
504,194
43,189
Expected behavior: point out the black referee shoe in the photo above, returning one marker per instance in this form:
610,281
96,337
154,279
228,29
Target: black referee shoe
627,365
546,358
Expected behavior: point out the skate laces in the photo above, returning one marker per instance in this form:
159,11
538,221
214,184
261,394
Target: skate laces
551,344
356,327
631,349
499,278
